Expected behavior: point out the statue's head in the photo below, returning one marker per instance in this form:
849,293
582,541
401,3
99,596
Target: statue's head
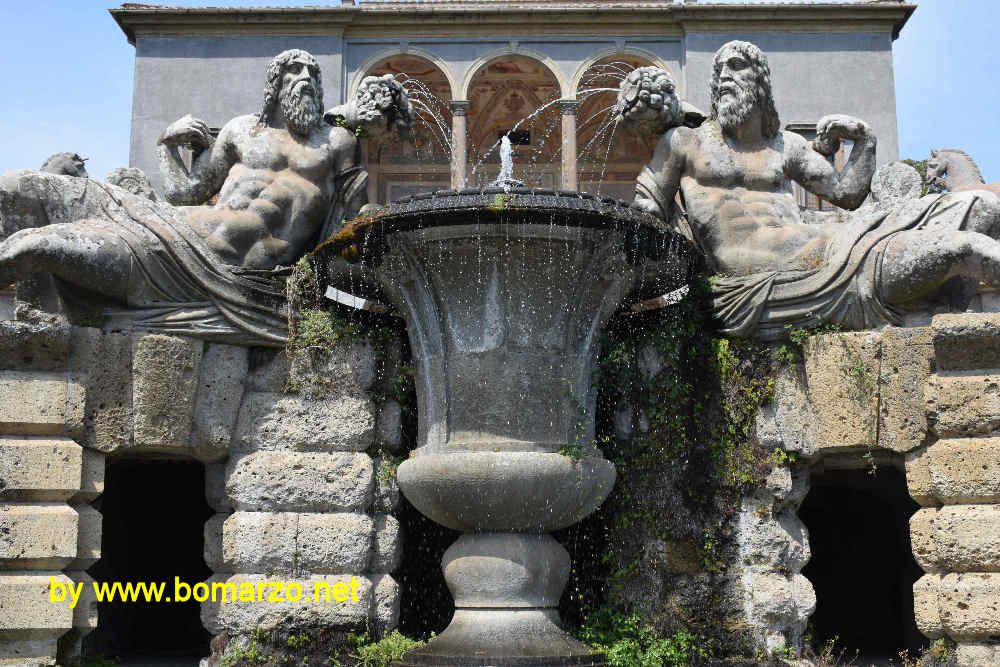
937,167
67,164
741,84
295,86
382,107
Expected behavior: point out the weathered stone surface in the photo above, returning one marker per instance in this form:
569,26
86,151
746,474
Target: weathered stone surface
213,542
40,403
387,550
334,543
964,405
91,477
961,470
165,381
386,487
907,363
85,611
977,654
343,370
780,602
247,616
787,422
270,421
103,362
215,487
773,542
841,376
925,606
27,652
220,390
37,536
25,610
39,469
918,478
259,542
957,538
385,602
300,481
36,347
268,370
210,608
389,426
966,341
88,540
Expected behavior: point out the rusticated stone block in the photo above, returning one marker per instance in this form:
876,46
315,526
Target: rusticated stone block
40,536
300,482
977,654
906,365
389,426
165,372
213,542
387,551
787,422
966,341
39,469
210,608
957,538
242,616
40,403
215,487
88,540
342,370
385,602
37,347
91,477
268,370
964,405
955,471
259,542
841,376
964,606
103,363
270,421
925,606
26,613
780,600
220,390
333,543
85,611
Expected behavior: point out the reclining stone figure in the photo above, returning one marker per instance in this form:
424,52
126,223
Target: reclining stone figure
734,175
285,178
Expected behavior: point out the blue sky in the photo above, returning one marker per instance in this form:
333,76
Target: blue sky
69,81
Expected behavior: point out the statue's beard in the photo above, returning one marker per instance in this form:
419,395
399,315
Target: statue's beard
735,108
301,109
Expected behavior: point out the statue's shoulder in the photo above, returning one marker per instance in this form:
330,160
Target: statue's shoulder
239,126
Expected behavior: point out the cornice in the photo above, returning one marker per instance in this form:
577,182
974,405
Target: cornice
515,19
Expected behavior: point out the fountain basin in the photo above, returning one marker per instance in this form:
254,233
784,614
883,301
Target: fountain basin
506,491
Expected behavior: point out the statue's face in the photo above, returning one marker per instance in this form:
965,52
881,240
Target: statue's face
935,170
735,87
300,95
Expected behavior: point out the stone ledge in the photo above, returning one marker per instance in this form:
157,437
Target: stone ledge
963,606
957,538
25,610
40,469
39,536
966,341
40,403
955,471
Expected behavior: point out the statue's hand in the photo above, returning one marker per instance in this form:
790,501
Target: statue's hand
832,129
187,131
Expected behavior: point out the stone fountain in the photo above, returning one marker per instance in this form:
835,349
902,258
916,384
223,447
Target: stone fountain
505,293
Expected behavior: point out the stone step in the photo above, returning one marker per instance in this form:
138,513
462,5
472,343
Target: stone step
955,471
966,341
963,606
957,538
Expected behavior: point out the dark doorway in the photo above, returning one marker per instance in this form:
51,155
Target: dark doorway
154,516
861,567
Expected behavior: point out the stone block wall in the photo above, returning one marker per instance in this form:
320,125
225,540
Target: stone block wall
298,463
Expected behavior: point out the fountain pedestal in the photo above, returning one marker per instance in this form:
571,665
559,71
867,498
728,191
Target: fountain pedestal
504,295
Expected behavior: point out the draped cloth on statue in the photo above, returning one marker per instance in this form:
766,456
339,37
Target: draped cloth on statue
844,291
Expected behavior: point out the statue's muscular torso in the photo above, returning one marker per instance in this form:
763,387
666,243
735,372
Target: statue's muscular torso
741,207
277,193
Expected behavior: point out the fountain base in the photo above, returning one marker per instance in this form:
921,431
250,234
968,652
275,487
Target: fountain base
503,638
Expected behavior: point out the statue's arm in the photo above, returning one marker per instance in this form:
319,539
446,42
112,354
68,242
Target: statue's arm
808,164
210,163
658,181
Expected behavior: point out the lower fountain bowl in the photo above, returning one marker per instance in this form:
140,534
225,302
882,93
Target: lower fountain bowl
524,492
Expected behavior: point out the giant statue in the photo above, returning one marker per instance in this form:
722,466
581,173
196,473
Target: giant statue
733,174
284,178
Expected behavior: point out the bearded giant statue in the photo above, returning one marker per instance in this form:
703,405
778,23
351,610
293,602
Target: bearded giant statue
284,178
